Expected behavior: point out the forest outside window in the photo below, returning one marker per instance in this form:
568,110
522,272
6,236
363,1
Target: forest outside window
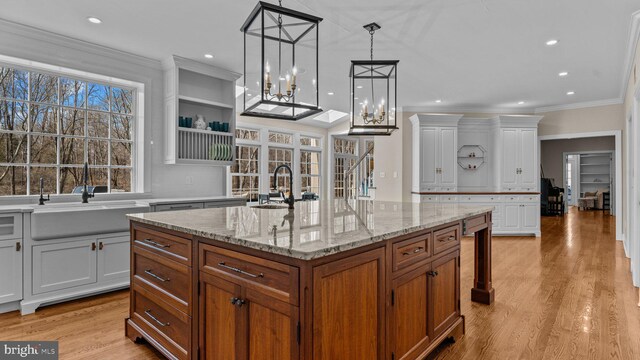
51,124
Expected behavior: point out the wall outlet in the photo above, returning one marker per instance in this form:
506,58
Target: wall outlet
189,180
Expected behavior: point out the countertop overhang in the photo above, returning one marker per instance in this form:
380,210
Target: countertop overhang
313,229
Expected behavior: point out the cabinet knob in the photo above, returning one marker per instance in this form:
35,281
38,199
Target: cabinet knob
93,246
432,273
100,246
237,301
18,246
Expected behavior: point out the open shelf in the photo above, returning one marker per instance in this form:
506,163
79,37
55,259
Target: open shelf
468,162
595,164
209,132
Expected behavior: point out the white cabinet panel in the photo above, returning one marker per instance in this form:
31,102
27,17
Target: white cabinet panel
428,157
448,140
113,258
511,217
63,265
528,163
10,270
10,226
530,217
180,206
509,171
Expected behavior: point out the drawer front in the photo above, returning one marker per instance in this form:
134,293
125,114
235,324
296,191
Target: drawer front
169,327
446,238
170,280
266,276
177,207
221,204
448,198
10,226
475,223
479,198
166,245
530,198
429,198
410,251
448,189
512,198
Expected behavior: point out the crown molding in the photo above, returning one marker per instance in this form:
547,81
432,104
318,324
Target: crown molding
466,110
32,33
634,35
581,105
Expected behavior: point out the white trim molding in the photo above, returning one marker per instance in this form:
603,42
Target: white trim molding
581,105
466,110
634,36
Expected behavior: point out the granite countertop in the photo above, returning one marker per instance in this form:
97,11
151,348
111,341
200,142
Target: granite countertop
315,228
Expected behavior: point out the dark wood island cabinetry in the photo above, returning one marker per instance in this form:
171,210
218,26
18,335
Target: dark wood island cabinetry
384,289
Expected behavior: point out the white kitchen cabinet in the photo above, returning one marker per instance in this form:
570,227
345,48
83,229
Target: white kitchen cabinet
511,218
435,141
64,265
530,218
10,270
519,159
113,258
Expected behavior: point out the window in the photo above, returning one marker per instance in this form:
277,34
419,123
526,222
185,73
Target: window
309,141
245,172
50,125
277,157
344,158
344,146
310,171
280,138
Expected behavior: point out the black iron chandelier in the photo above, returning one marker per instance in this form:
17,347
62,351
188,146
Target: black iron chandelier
373,93
280,63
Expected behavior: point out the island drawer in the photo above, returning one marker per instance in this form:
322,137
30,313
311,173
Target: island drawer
268,277
446,238
169,280
410,251
169,246
166,325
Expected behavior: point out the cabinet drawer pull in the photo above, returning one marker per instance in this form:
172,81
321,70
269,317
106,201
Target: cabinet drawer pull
432,273
415,251
150,273
18,246
100,246
222,264
93,246
156,244
450,238
148,312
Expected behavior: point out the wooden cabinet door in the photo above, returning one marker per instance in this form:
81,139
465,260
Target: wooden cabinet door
528,162
10,270
114,258
272,327
349,308
445,292
409,314
428,158
222,325
509,164
448,143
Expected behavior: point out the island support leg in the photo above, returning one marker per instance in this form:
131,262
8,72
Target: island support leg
482,291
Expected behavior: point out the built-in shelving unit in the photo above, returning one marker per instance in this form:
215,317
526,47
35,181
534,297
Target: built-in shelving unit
193,88
595,171
471,157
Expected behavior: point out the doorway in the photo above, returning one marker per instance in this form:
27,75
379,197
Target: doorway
571,181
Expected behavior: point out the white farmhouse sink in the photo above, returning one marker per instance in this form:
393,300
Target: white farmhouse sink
52,221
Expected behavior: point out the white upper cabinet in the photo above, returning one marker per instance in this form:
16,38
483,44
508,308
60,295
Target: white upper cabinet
518,138
435,139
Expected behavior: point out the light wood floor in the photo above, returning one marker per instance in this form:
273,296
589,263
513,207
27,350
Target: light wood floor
567,295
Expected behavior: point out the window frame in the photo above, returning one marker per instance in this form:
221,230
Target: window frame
136,138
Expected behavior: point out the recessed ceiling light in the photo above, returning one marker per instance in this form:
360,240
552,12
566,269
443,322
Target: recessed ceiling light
552,42
563,73
330,93
208,56
94,20
520,102
438,101
571,92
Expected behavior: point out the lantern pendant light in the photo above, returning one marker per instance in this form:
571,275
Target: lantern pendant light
373,92
280,63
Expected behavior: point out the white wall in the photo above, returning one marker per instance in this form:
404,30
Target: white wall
162,180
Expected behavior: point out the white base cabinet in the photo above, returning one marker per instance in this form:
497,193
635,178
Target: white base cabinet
10,270
68,268
512,214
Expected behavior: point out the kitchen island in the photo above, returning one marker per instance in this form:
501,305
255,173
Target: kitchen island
328,280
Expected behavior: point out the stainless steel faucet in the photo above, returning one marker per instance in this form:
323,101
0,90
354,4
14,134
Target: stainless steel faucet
290,200
85,192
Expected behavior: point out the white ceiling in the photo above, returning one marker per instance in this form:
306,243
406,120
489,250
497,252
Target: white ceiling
470,53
